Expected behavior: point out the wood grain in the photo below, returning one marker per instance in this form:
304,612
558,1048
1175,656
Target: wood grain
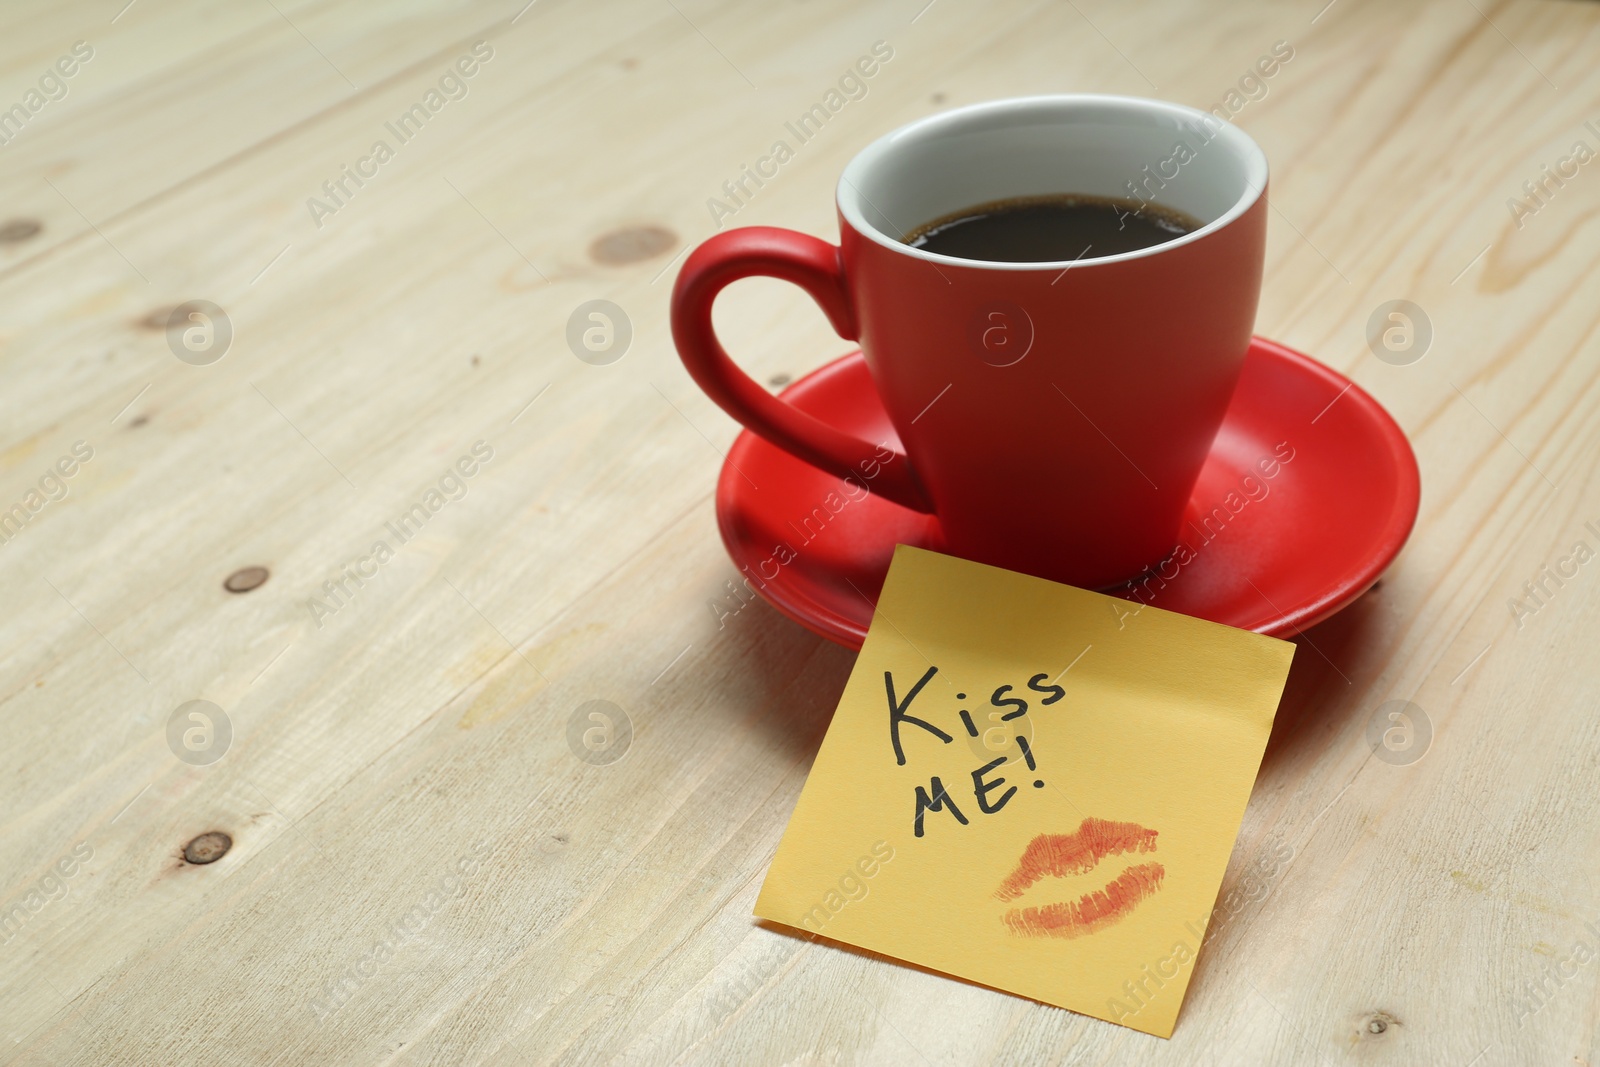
400,773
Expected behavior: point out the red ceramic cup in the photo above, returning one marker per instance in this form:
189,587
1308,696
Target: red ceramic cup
1054,416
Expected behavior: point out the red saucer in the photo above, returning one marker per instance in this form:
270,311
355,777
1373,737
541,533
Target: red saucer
1273,554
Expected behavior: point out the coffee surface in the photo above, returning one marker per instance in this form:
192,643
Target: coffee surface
1045,229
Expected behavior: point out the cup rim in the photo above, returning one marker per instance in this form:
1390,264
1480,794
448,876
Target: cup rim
847,193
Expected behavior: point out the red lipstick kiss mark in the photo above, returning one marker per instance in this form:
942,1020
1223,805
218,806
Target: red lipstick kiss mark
1058,855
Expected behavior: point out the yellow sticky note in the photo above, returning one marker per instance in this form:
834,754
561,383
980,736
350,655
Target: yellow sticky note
1063,839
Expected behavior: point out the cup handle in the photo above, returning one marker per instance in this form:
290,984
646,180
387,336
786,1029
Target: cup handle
815,266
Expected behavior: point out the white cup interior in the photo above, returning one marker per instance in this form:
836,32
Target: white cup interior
1108,146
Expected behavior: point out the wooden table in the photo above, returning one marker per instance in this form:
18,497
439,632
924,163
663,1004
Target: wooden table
422,869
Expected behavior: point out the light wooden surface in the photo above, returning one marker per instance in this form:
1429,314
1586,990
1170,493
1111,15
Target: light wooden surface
422,728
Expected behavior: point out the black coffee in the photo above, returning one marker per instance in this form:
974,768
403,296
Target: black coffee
1045,229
